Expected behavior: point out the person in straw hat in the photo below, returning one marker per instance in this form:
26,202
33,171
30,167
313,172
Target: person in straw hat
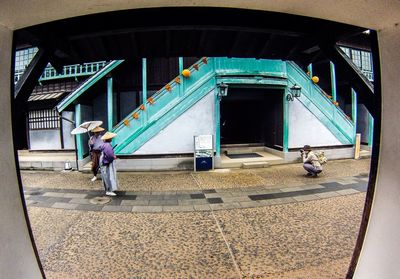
95,144
107,165
310,161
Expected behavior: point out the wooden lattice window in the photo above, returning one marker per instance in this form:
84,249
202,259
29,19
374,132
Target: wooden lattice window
43,119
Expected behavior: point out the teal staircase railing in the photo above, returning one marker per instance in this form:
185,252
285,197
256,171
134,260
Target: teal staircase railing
163,107
182,93
316,101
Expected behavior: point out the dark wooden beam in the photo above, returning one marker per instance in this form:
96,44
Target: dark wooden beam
30,77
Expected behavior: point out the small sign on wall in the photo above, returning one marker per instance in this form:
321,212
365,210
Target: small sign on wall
203,152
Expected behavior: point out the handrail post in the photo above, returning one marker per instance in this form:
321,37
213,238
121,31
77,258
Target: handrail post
180,61
144,89
110,104
354,111
333,80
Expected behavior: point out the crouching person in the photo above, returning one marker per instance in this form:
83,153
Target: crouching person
310,162
107,165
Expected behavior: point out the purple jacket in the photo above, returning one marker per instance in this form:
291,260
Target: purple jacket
108,153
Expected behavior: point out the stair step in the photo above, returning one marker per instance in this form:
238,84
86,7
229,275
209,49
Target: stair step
253,165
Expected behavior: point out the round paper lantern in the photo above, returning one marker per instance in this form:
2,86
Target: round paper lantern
186,73
315,79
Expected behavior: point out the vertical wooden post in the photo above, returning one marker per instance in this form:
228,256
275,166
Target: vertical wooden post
357,147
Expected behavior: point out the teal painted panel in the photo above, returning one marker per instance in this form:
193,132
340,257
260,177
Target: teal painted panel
250,66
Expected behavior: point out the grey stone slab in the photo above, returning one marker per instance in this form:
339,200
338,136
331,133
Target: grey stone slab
236,199
74,195
291,189
247,204
312,187
163,202
193,202
143,197
202,207
222,206
147,209
346,192
238,194
54,200
89,207
179,208
137,193
134,202
327,195
283,200
346,181
53,194
117,208
62,205
306,198
213,195
223,190
156,197
80,201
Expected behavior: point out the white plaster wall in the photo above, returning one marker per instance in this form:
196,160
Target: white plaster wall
305,128
178,136
69,140
45,139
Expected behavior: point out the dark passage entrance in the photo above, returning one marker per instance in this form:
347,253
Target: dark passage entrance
252,115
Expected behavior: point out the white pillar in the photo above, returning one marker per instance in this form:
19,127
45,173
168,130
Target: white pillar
380,253
17,256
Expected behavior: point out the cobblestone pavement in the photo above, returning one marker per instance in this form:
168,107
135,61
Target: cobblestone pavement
267,223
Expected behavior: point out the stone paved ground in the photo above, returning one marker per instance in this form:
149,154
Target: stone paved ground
309,239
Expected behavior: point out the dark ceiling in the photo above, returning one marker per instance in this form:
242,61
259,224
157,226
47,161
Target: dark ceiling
188,32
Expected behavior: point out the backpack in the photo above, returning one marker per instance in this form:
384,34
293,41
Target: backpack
321,157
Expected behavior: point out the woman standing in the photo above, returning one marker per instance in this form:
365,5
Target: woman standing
107,165
95,144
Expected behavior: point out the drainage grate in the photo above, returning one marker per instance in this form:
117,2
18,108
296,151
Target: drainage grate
100,200
243,155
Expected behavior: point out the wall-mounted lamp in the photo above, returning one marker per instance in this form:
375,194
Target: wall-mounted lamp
222,90
294,92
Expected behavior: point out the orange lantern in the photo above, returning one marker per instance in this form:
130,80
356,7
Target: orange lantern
178,80
142,107
196,67
126,122
168,87
186,73
315,79
204,60
135,115
150,100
